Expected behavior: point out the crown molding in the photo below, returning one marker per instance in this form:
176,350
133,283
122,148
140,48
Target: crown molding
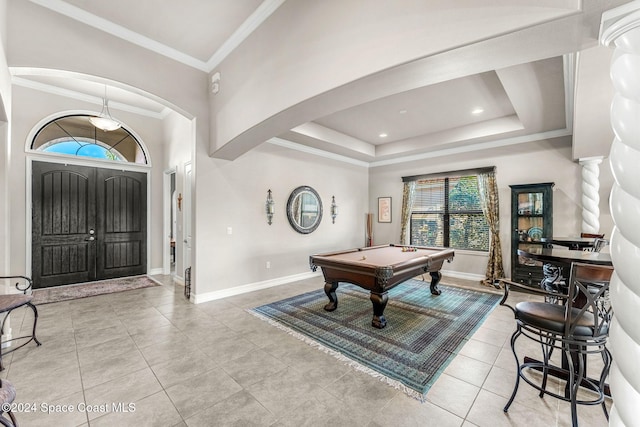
476,147
315,151
248,26
119,31
427,155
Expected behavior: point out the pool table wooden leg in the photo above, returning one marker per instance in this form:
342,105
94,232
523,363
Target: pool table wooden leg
330,290
379,302
435,279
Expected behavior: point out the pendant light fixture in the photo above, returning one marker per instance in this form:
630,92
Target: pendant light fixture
104,121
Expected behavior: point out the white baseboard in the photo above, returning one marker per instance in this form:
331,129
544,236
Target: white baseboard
238,290
461,275
155,271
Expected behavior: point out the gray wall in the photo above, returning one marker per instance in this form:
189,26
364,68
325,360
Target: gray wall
542,161
233,194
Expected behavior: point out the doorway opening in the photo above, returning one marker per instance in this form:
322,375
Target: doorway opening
170,227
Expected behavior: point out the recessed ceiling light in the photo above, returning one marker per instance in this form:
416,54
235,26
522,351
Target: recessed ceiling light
477,111
402,112
383,135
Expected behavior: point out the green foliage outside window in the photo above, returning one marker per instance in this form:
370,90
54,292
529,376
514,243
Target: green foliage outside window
447,213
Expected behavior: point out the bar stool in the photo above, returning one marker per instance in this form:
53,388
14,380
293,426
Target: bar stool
577,326
10,302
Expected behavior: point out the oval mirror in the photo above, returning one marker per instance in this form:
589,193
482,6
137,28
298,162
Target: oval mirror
304,209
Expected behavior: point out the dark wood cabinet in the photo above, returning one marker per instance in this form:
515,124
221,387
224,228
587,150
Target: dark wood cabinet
531,220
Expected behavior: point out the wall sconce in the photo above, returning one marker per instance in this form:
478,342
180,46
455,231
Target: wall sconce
269,207
334,209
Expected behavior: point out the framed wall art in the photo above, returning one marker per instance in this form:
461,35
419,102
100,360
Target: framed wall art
384,209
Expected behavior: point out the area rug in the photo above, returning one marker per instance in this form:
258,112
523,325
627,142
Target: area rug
422,336
84,290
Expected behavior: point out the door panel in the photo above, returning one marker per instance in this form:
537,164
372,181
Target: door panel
88,224
122,223
62,218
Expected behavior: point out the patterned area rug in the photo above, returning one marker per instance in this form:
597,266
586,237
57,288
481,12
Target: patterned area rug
422,335
83,290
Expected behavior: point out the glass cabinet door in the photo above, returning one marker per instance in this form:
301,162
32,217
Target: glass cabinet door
531,217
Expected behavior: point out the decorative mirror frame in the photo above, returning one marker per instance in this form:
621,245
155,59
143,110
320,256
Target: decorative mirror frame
290,205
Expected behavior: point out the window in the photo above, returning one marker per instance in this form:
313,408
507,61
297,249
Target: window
446,212
82,147
76,136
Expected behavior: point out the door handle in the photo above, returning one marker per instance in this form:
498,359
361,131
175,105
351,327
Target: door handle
90,239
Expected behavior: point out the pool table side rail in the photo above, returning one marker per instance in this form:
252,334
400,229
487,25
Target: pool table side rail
424,261
382,277
369,248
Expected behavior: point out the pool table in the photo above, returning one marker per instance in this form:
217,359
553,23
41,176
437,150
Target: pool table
378,269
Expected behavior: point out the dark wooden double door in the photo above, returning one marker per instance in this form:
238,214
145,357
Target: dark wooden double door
88,224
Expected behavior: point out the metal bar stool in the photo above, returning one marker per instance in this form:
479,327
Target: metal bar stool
577,327
10,302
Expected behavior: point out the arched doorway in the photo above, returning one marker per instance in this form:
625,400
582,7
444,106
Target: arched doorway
89,218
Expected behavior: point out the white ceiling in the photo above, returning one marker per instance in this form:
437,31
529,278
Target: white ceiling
195,28
530,101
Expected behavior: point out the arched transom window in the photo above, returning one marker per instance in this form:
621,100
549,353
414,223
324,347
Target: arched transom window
76,136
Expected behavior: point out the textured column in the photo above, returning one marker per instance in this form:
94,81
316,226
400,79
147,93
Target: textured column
620,28
590,195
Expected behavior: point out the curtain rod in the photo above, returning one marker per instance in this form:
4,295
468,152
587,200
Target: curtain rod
463,172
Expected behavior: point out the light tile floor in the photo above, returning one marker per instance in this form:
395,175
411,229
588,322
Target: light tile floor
149,358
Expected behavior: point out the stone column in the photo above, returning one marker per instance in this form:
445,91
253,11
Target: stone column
620,29
590,195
